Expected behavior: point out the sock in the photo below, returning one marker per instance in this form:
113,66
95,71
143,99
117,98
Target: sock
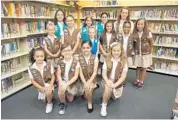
138,80
104,105
175,111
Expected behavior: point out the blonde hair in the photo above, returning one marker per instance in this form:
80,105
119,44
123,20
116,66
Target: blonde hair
122,55
50,24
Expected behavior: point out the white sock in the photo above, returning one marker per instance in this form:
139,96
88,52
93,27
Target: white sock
104,105
138,80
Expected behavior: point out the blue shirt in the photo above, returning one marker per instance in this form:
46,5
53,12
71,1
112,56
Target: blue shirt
58,30
84,34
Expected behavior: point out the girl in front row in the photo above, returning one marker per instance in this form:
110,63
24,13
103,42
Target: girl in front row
42,76
114,73
175,108
68,72
143,47
88,72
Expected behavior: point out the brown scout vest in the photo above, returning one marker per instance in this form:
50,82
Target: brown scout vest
38,77
71,39
72,68
103,41
52,47
145,46
117,28
129,45
87,69
118,72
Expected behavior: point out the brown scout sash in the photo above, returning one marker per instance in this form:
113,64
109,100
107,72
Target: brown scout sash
87,69
103,40
71,39
118,72
38,77
145,46
72,69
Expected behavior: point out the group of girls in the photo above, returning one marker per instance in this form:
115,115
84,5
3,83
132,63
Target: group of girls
69,56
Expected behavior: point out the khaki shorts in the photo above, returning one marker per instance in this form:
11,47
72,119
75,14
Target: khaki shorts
76,89
116,93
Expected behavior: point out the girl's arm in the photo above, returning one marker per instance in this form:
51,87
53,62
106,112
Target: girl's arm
35,84
59,74
82,76
75,76
104,73
102,50
123,76
62,39
77,44
52,80
105,77
150,37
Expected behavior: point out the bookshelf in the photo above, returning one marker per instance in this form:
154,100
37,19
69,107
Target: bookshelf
163,23
22,28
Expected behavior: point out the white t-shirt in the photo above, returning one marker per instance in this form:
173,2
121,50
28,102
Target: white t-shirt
61,27
67,68
41,71
125,42
108,37
112,76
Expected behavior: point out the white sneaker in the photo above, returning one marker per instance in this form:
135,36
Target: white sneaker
103,110
49,108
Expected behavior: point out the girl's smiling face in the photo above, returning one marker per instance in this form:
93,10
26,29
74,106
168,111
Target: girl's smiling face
140,25
60,16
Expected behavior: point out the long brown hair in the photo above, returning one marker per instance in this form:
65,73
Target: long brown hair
145,29
119,17
122,56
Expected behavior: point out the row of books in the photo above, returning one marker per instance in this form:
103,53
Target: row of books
97,14
8,49
9,83
26,10
108,2
166,66
164,40
21,28
148,13
155,13
34,42
166,52
162,27
11,65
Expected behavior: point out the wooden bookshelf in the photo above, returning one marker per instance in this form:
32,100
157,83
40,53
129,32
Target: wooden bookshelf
22,37
16,89
14,73
16,54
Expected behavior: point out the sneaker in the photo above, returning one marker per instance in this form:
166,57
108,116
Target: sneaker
103,112
140,84
49,108
135,82
62,108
